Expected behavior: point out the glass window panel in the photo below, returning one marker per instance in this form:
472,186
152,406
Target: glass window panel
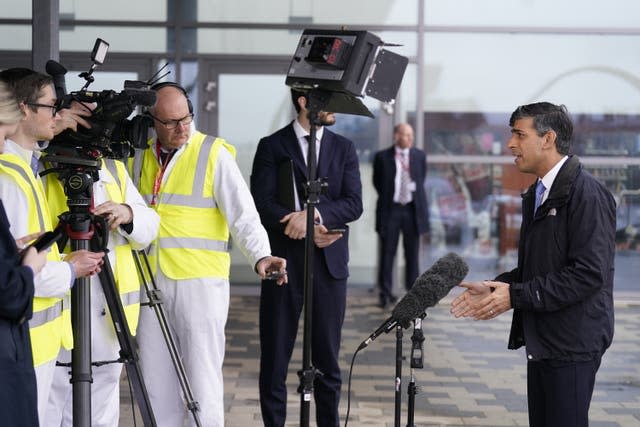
265,101
330,12
533,13
12,9
363,240
120,10
473,185
120,39
15,37
244,42
488,72
280,42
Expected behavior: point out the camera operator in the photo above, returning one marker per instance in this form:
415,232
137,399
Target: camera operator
195,185
18,404
50,327
132,225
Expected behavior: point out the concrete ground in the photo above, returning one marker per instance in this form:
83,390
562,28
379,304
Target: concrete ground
469,377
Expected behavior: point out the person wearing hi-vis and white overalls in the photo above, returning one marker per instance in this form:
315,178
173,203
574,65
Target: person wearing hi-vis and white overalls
193,182
133,225
28,212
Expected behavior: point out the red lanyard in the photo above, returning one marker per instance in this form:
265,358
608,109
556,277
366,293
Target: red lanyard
163,166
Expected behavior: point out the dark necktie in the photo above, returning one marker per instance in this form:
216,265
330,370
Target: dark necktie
540,188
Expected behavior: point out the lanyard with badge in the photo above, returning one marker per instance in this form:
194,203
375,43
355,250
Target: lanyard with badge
163,166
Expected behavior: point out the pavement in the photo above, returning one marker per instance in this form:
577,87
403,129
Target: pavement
469,377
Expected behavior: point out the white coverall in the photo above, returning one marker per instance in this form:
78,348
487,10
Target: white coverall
105,389
55,278
197,312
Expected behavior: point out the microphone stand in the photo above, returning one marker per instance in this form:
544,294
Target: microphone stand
417,340
398,379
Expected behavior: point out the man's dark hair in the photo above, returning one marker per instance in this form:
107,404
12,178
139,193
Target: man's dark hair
25,84
295,94
547,116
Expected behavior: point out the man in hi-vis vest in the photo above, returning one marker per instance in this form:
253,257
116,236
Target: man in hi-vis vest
195,185
28,212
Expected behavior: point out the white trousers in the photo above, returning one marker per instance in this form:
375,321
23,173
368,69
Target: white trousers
196,311
44,378
105,389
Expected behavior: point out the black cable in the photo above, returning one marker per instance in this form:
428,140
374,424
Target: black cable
353,359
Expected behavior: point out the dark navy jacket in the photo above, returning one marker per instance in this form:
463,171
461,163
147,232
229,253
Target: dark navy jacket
561,291
339,205
17,378
384,173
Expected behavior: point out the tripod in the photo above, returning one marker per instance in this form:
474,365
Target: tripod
90,232
155,302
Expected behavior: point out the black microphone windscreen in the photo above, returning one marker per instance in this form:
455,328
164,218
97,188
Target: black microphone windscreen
445,274
407,309
433,285
54,68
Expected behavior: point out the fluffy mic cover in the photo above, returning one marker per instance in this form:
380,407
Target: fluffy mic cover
428,289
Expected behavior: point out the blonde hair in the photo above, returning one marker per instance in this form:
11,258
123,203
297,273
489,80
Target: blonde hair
9,111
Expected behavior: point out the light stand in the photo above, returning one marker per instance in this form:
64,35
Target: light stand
314,188
333,68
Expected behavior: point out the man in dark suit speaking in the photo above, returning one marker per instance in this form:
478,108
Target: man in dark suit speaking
398,177
279,170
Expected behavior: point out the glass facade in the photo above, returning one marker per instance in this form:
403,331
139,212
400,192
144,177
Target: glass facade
479,60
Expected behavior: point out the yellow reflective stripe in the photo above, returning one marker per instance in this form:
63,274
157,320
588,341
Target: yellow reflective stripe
39,318
193,243
33,189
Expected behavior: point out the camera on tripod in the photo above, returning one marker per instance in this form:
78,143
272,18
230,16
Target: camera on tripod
112,134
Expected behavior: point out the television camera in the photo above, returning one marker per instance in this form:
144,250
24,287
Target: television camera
112,134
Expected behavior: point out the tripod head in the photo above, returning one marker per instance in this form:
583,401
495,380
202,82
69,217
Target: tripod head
77,176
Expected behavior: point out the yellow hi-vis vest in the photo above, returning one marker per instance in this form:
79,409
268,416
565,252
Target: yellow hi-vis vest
193,237
48,328
125,273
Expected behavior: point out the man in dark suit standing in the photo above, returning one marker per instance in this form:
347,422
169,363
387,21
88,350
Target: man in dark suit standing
398,177
280,306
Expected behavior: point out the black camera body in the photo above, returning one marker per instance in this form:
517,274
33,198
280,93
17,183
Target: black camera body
111,134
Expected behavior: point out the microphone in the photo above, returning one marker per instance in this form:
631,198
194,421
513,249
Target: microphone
427,290
57,71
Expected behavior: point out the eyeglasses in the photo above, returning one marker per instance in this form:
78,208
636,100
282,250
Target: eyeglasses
172,124
54,108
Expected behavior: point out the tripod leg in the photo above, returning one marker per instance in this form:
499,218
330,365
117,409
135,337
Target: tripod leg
128,347
155,302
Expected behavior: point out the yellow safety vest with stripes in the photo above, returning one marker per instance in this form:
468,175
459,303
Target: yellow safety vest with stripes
193,237
125,273
48,328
